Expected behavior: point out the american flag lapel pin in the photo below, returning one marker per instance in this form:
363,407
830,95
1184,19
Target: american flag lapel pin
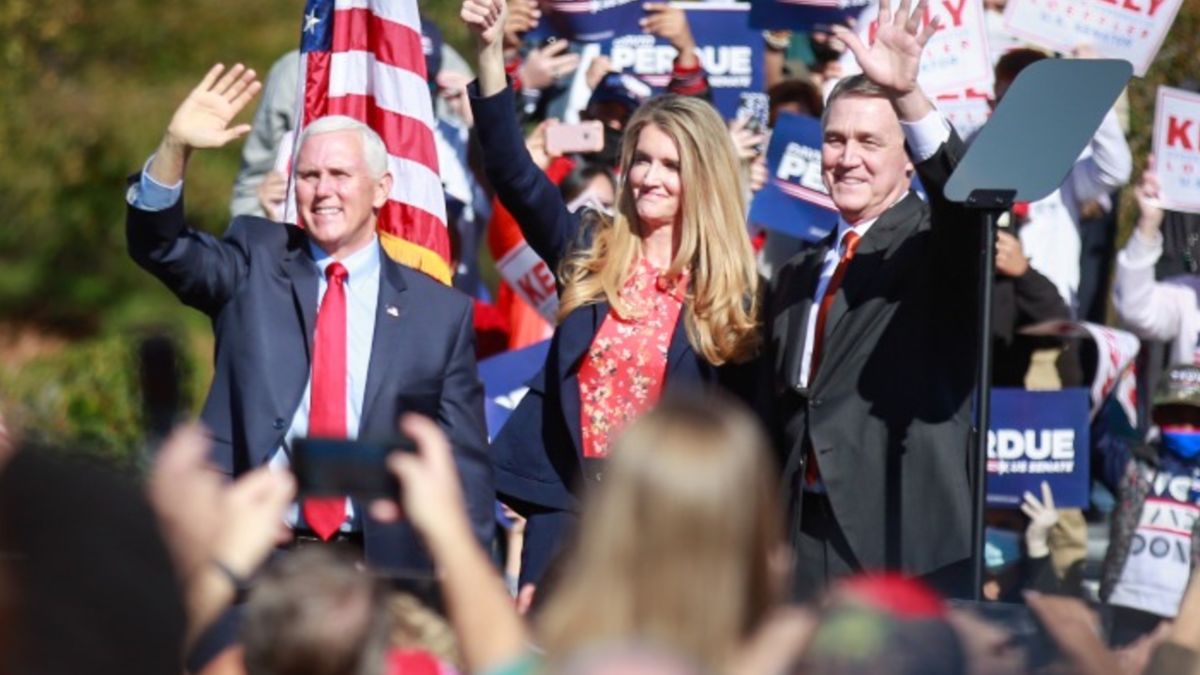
392,311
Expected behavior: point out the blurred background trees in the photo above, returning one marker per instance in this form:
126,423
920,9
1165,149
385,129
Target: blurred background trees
85,90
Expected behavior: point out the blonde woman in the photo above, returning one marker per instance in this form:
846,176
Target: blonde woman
661,296
680,549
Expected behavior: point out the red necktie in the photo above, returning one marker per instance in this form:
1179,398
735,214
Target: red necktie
851,239
327,400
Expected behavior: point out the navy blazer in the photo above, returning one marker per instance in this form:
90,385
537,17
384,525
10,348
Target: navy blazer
538,452
259,286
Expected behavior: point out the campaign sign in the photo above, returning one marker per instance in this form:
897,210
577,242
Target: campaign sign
794,200
803,14
1121,29
1177,149
590,20
530,277
730,51
1038,436
504,377
955,57
966,109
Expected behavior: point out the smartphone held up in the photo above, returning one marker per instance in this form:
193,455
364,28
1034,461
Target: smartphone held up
564,139
327,467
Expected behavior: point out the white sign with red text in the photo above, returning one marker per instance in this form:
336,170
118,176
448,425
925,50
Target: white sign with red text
1121,29
1177,149
531,278
956,57
966,109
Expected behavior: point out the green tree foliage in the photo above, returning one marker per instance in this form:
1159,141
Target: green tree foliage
87,397
86,89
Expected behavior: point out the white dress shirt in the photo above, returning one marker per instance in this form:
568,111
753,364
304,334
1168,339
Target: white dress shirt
362,299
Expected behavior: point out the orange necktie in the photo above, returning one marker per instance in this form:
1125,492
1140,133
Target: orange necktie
851,240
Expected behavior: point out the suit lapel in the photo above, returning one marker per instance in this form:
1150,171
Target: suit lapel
389,334
790,328
861,274
302,271
575,337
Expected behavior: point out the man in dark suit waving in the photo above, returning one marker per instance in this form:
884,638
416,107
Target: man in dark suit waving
872,336
318,332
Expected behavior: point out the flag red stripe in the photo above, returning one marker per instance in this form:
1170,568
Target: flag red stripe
316,86
392,43
404,136
415,225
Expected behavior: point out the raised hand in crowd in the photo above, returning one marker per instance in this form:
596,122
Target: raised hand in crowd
203,119
747,143
1042,517
544,66
218,532
489,630
893,60
1010,257
523,17
597,69
272,192
1150,211
536,144
670,23
759,175
485,19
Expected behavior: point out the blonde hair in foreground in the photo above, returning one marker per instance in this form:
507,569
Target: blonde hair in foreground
722,304
675,546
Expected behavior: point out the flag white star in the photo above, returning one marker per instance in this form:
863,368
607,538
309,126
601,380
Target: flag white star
310,22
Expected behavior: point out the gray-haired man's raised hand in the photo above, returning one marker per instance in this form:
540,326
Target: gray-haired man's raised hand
893,60
203,119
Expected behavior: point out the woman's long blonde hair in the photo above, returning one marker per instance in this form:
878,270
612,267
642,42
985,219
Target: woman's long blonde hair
676,546
722,304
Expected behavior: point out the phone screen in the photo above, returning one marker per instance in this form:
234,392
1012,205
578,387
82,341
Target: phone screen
358,469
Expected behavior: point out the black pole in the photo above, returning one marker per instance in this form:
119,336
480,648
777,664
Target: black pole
991,203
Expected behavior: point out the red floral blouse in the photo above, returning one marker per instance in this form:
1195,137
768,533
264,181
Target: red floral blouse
622,373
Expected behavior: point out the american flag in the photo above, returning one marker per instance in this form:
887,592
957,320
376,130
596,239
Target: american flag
363,58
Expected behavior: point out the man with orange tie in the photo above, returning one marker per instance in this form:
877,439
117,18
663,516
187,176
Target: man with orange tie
318,332
871,335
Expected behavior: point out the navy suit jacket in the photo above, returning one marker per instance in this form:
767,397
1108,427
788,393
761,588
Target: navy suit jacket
538,453
259,286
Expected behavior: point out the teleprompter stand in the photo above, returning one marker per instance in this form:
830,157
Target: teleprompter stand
1045,120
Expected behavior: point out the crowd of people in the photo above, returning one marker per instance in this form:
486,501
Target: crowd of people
744,453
